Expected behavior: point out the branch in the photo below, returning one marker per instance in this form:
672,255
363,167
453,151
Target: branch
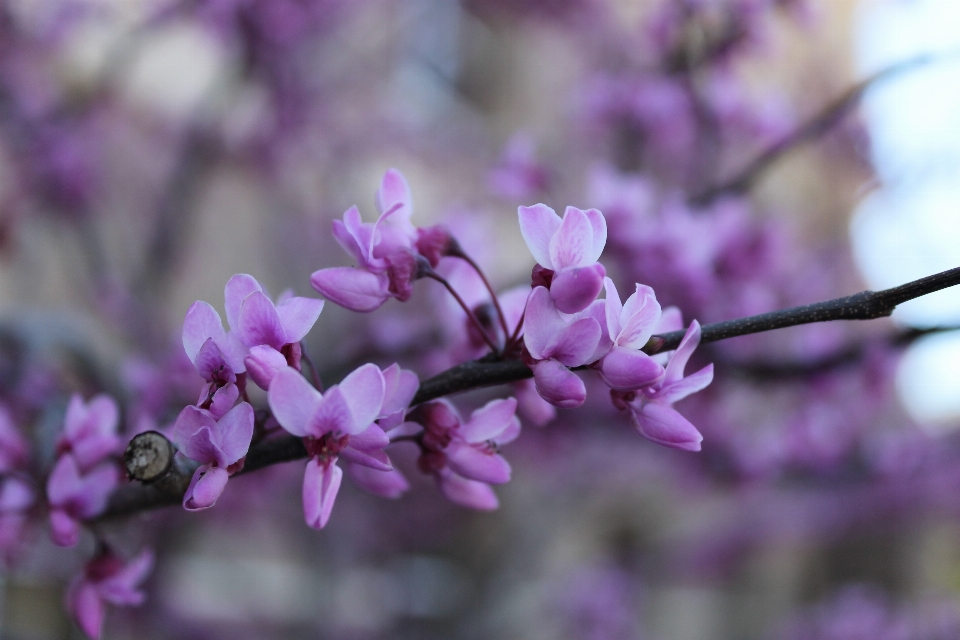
475,374
812,129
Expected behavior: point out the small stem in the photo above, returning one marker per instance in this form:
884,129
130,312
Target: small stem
313,369
515,336
476,323
493,296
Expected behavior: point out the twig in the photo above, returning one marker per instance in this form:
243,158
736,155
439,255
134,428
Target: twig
812,129
487,372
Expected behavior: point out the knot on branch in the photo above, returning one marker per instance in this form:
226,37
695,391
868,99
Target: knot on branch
148,457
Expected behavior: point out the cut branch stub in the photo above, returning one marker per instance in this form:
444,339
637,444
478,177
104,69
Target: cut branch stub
148,457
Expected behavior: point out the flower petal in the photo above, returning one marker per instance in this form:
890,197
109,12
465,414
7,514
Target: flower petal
680,389
354,289
223,400
572,244
297,316
202,322
613,308
394,193
376,459
371,439
474,464
640,315
86,607
541,322
538,224
363,391
259,322
386,484
628,370
574,288
293,402
467,493
558,385
205,487
400,385
490,420
64,528
663,425
235,292
263,364
121,587
236,431
320,486
678,362
576,343
193,433
599,225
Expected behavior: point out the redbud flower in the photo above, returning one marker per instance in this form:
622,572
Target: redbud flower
219,442
385,252
556,341
106,580
629,326
651,407
464,457
569,250
90,430
75,496
337,423
16,498
14,448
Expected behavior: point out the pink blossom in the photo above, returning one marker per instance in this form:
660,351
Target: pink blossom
14,448
219,442
337,423
254,321
106,579
76,496
16,499
464,457
651,407
629,327
567,250
385,252
557,341
90,430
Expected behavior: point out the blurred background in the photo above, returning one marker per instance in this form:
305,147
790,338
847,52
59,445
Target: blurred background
748,155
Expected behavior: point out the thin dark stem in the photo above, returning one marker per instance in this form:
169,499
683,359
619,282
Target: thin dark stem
515,336
810,130
314,376
466,309
493,295
490,371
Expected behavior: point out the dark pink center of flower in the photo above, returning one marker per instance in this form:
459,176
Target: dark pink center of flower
103,567
541,277
325,447
292,352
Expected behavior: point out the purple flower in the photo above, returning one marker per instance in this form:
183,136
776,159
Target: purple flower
16,498
464,457
106,580
556,341
263,336
385,252
567,251
90,430
629,326
219,442
651,407
14,448
76,496
337,423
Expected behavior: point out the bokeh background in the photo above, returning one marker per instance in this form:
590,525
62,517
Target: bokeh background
748,155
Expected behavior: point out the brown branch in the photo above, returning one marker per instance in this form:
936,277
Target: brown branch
811,130
487,372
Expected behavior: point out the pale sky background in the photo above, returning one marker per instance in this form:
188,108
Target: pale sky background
910,227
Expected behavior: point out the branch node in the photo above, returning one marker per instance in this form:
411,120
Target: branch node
148,457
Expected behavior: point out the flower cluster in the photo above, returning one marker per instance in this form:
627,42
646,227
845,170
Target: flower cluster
566,327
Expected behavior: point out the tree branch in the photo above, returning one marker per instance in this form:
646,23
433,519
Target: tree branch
475,374
812,129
